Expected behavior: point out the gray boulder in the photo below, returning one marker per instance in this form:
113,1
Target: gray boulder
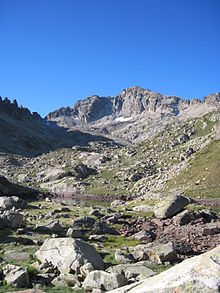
10,219
69,254
159,253
16,276
137,270
51,227
170,206
103,280
8,202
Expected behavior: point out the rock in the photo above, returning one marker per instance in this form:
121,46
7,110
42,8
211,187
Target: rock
103,280
7,202
97,238
143,208
196,274
136,270
122,258
53,174
16,276
159,253
145,236
75,233
170,206
117,202
86,269
211,229
69,254
11,219
182,218
51,227
96,213
102,228
65,279
84,222
83,171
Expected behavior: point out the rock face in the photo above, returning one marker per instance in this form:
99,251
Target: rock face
68,254
170,206
197,274
26,133
124,115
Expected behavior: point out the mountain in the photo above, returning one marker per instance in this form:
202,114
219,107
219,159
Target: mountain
136,114
26,133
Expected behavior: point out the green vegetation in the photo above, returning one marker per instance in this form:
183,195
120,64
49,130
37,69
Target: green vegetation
113,242
202,178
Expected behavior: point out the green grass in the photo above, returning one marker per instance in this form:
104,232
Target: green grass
117,242
202,178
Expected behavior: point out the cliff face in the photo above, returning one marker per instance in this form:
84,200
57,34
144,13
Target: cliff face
130,103
135,114
16,112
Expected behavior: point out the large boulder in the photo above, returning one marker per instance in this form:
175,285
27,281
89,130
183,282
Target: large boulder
69,254
16,276
196,274
8,202
170,206
103,280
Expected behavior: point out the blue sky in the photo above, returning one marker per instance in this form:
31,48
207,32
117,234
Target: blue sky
53,52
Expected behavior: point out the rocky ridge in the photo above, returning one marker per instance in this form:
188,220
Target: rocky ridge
133,113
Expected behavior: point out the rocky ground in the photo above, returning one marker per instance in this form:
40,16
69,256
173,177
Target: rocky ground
98,248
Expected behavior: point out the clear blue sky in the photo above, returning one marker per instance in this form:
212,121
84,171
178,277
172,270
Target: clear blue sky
53,52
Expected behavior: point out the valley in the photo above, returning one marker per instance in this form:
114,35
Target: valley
112,195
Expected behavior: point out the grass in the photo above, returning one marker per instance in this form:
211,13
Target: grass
202,178
117,242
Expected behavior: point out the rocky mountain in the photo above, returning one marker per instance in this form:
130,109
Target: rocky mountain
134,115
82,213
26,133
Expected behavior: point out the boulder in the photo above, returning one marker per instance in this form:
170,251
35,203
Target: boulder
65,279
11,219
82,171
69,254
196,274
8,202
83,222
145,236
16,276
159,253
137,270
51,227
170,206
117,202
103,280
102,228
122,258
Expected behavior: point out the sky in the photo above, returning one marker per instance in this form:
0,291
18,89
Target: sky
54,52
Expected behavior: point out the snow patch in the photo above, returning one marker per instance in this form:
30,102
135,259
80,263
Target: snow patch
123,119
